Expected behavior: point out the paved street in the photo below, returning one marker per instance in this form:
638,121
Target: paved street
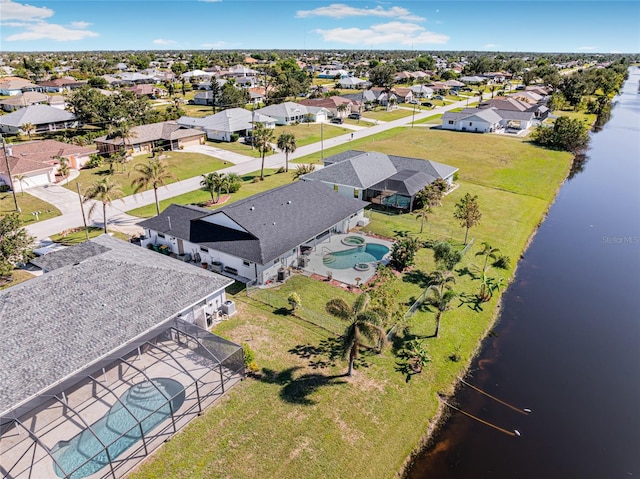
69,205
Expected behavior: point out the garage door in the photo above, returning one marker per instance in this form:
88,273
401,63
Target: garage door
40,179
190,142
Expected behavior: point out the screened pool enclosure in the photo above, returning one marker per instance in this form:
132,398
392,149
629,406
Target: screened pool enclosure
104,421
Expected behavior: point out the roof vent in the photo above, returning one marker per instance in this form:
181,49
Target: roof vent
289,202
252,208
274,223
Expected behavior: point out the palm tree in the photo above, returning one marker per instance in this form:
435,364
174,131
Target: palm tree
440,280
263,138
489,252
29,128
123,131
155,173
441,299
341,109
104,191
232,182
287,144
20,179
213,182
63,167
423,215
364,324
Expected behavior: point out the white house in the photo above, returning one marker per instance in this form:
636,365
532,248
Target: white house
487,120
222,125
290,112
256,238
353,83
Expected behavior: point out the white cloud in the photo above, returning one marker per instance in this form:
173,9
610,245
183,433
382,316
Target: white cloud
385,33
162,41
214,45
80,25
587,48
340,10
20,11
50,31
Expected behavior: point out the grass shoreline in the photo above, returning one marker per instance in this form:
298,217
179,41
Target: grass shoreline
390,419
439,420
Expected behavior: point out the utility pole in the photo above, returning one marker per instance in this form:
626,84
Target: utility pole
6,160
84,219
322,141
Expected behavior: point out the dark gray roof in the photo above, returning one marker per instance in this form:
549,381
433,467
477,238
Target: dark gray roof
515,115
56,324
69,256
405,182
272,222
346,166
360,171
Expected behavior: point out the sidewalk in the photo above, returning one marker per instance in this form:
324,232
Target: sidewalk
242,165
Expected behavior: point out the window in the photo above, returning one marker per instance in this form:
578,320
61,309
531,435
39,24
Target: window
335,187
470,123
451,122
203,249
356,192
160,235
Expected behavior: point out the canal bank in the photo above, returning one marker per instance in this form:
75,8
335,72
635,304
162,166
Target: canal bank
567,338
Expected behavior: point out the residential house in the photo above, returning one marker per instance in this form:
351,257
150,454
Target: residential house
247,81
206,84
353,83
11,86
222,125
239,71
37,161
43,117
332,104
168,135
256,238
379,178
333,73
487,120
257,95
403,95
23,100
290,112
362,99
61,85
421,91
106,321
473,79
539,110
403,77
148,90
132,78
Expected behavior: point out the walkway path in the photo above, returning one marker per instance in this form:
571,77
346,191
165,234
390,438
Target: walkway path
241,165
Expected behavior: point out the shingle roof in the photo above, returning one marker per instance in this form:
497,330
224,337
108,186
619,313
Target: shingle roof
109,299
287,109
166,130
361,171
273,222
352,166
25,99
233,119
36,115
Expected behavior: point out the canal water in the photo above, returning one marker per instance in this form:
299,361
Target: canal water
567,344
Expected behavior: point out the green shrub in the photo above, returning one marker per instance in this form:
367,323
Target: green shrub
249,356
234,137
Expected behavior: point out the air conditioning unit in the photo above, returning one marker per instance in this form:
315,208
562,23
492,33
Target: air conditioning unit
363,222
229,307
217,267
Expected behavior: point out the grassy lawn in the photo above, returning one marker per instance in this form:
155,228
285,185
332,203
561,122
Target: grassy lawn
249,187
434,119
307,133
198,111
28,204
77,235
236,147
182,165
17,276
384,115
588,118
300,417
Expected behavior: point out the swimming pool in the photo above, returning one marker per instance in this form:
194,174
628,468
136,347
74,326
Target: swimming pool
348,258
118,429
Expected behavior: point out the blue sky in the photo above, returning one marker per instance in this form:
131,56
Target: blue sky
515,25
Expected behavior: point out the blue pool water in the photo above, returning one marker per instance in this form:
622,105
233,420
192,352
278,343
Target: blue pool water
117,428
346,259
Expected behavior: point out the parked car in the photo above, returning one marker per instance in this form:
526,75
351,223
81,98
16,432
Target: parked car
438,97
428,104
413,102
354,116
336,120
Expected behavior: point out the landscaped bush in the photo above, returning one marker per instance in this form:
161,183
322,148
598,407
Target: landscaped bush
94,162
234,137
249,358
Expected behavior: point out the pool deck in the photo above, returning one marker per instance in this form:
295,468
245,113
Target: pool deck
349,276
54,422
